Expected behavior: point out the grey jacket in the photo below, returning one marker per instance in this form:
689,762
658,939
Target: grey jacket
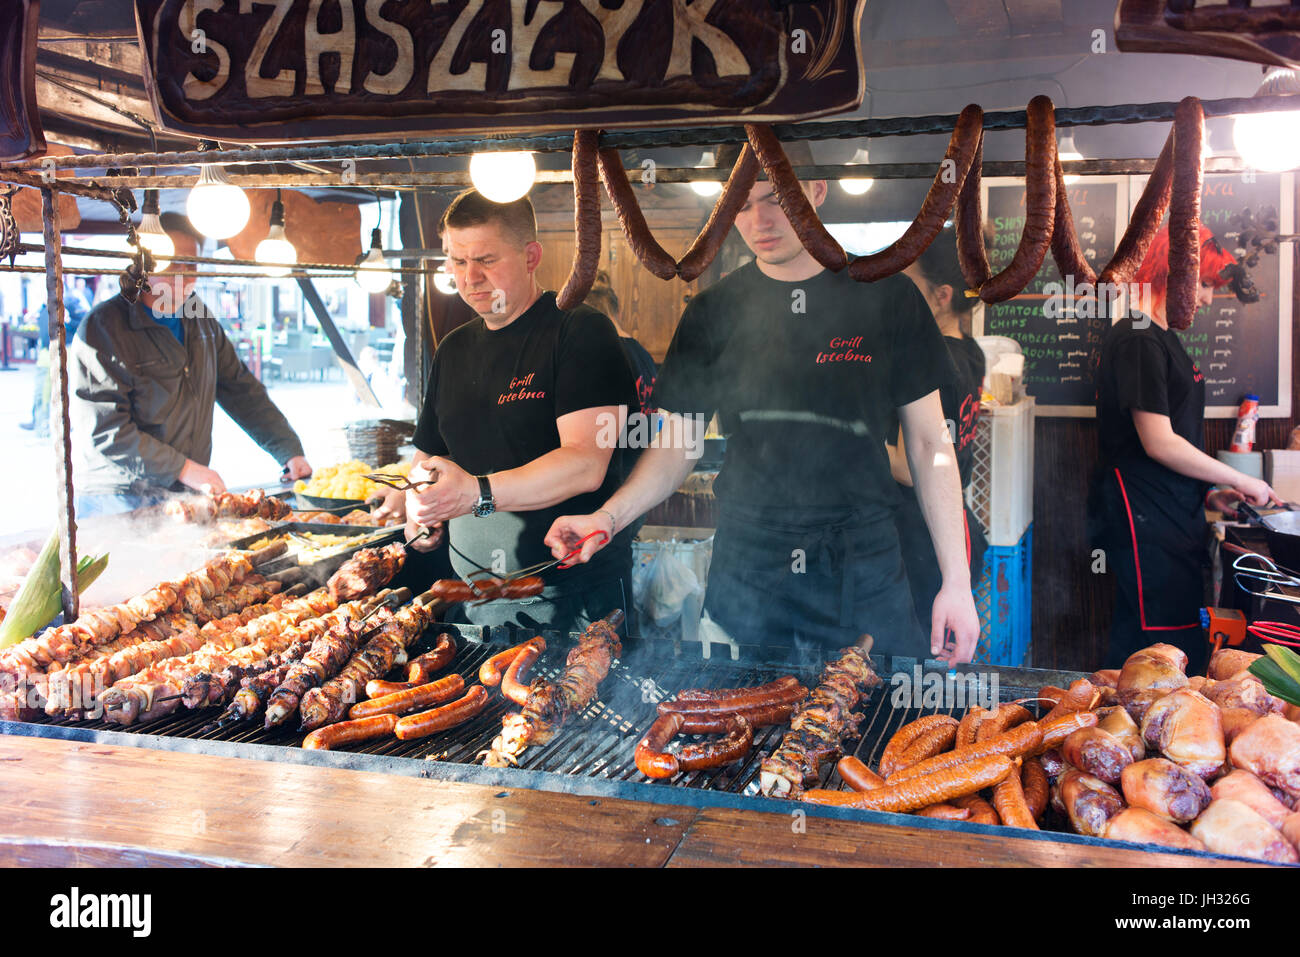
141,403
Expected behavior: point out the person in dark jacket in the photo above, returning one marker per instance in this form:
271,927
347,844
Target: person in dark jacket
143,379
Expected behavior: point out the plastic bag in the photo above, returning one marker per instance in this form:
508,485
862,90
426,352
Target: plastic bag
661,587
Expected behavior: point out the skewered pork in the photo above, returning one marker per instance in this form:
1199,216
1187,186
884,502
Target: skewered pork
819,725
204,509
367,571
551,703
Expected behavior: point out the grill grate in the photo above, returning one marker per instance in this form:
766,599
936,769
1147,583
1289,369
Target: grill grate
600,742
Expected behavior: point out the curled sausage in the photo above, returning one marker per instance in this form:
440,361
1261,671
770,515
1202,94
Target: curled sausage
1081,696
1006,717
586,221
651,758
514,685
1066,253
821,245
714,754
1145,222
1051,693
857,775
436,692
725,694
734,195
696,723
423,668
905,736
350,732
1056,730
1009,800
1098,753
981,811
439,719
968,726
489,673
971,252
927,744
375,688
1033,779
1040,205
937,787
643,244
1020,740
738,699
1185,214
948,181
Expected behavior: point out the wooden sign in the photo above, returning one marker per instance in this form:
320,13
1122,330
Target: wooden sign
20,125
1265,33
281,70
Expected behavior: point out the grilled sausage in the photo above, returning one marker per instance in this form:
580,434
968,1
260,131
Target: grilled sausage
971,252
1056,730
734,195
857,775
1009,800
421,696
934,741
439,719
981,811
651,758
1005,718
1040,205
1185,214
1066,253
741,699
696,723
1051,693
586,221
642,242
1033,779
905,736
1081,696
514,686
1148,215
1020,740
937,787
1098,753
489,673
962,147
945,812
376,688
350,732
723,694
821,245
968,726
714,754
453,590
427,665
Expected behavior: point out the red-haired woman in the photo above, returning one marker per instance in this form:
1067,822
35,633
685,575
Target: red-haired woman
1150,492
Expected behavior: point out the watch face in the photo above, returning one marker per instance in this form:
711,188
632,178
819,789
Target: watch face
483,509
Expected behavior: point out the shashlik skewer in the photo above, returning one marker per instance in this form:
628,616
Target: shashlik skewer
329,703
328,654
227,505
819,725
551,703
367,571
144,690
219,686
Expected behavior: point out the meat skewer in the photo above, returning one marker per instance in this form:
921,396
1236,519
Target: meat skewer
228,505
367,571
551,703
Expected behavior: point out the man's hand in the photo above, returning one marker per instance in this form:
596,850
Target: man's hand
1224,500
296,468
567,530
200,478
429,542
1256,491
452,495
954,611
392,505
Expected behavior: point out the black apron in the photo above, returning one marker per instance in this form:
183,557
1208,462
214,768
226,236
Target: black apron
823,575
920,560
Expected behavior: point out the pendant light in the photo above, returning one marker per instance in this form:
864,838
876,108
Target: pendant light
502,177
1270,142
444,281
707,187
151,234
1066,151
217,207
276,248
857,185
376,276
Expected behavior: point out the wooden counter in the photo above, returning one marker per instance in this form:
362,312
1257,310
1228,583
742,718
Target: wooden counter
76,804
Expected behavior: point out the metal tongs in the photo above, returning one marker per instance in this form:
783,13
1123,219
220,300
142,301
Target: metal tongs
1267,574
406,485
485,575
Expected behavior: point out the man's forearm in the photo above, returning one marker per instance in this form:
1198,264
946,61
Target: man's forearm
660,471
938,487
549,479
1177,454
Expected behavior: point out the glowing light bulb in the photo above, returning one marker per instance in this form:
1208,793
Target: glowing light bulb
502,177
276,248
1271,141
444,281
155,239
217,207
1067,151
857,185
375,276
707,188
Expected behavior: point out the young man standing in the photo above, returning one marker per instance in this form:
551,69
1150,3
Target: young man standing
516,421
811,373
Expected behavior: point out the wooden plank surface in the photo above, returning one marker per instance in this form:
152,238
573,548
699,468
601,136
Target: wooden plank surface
721,837
137,805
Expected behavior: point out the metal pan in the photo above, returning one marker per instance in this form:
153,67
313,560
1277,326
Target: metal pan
1281,531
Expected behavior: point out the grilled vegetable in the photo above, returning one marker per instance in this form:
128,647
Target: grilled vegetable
40,598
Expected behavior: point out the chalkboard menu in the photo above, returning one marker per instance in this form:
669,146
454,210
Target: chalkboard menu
1245,348
1061,338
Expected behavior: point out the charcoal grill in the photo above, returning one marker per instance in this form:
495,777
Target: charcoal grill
593,753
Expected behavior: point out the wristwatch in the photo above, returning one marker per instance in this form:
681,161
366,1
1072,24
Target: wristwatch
486,504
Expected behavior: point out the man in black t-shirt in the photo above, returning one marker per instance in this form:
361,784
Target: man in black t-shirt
810,373
525,405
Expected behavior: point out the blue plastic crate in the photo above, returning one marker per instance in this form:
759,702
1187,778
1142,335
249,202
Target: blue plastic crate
1003,599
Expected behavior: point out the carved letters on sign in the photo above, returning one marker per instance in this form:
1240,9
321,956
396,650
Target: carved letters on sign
258,66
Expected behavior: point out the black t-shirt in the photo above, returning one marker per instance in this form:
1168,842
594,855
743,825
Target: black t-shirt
492,403
643,370
961,398
807,378
1145,367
